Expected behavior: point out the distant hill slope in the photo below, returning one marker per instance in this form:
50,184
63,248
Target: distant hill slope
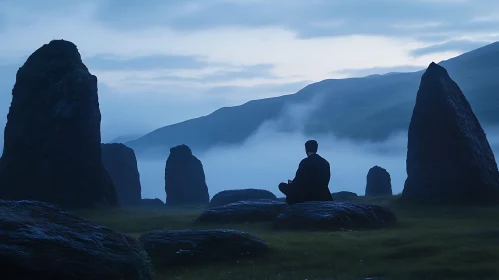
369,108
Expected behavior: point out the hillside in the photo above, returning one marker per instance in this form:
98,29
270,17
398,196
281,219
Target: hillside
369,108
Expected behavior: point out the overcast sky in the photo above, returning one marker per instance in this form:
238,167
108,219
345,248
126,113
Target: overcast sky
160,62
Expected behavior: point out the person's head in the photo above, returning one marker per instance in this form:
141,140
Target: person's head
311,147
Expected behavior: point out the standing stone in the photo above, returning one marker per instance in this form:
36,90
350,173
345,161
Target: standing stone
52,138
184,178
121,164
378,182
448,156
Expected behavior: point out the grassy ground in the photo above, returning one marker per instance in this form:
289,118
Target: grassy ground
430,243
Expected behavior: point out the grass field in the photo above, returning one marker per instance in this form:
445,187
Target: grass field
429,243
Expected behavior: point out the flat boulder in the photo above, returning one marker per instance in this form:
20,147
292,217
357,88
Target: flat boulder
343,195
249,211
449,159
186,247
151,202
230,196
337,216
379,182
41,241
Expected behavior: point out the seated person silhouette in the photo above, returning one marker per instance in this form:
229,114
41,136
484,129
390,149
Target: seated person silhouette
311,180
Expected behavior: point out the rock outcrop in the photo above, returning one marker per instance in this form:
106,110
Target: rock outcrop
52,138
185,182
231,196
334,216
248,211
449,159
379,182
187,247
121,164
151,202
343,195
40,241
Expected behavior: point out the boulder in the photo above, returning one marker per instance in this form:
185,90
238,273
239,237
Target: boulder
40,241
230,196
330,215
121,164
343,195
151,202
52,138
449,159
186,247
379,182
260,210
185,182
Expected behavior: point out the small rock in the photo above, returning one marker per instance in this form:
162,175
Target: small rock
343,195
151,202
230,196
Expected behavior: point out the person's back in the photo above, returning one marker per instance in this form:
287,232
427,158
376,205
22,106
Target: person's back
311,180
316,184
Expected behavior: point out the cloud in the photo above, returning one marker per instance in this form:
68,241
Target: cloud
232,44
165,61
144,63
453,45
378,70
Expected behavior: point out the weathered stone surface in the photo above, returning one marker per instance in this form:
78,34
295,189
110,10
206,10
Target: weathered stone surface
40,241
342,195
185,247
151,202
185,183
449,159
121,164
260,210
379,182
230,196
334,216
52,147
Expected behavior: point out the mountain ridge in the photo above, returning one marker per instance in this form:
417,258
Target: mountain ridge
365,108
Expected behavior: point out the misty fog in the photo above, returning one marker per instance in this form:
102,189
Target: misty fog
271,156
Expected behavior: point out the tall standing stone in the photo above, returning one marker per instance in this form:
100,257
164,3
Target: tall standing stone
185,181
378,182
121,164
448,156
52,138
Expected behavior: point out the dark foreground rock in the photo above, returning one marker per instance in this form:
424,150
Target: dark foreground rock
230,196
343,195
121,164
249,211
449,159
52,138
185,247
151,202
379,182
40,241
185,182
334,216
